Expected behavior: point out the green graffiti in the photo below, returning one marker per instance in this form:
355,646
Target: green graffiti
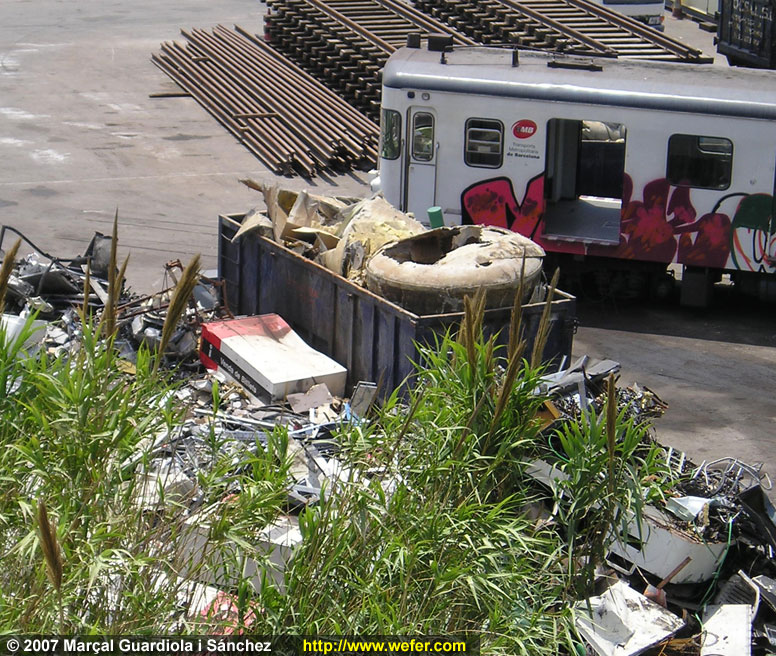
755,213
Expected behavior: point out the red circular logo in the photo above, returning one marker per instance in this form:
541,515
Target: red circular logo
524,129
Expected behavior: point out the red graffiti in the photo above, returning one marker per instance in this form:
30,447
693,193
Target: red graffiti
493,202
661,227
711,246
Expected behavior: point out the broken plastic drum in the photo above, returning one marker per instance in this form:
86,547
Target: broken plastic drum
431,273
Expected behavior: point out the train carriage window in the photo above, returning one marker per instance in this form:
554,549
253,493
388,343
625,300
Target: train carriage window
484,145
703,162
423,136
390,134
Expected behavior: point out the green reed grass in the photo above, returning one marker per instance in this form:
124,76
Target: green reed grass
424,532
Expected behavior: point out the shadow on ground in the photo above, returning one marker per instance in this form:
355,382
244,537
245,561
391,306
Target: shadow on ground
731,318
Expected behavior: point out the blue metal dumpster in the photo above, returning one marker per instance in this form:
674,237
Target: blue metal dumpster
375,339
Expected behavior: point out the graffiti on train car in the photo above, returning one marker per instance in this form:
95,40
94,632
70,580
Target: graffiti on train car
661,226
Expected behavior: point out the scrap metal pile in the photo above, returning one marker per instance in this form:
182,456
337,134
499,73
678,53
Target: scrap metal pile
290,121
695,573
56,290
240,425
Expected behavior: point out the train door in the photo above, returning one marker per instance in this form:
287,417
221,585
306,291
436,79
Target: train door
584,173
421,158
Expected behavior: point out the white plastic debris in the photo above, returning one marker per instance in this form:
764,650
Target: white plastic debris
686,508
13,326
727,630
624,622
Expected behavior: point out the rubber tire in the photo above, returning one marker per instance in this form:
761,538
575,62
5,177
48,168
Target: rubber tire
431,273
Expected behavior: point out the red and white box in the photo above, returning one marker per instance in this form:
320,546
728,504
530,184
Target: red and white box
267,357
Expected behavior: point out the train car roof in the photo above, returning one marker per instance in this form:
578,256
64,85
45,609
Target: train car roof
693,88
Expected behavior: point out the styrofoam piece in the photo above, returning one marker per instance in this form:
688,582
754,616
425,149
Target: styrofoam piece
624,622
727,630
265,355
274,549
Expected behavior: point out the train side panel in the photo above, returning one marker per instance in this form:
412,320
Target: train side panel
618,182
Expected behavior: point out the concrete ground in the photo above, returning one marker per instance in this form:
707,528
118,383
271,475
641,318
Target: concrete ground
80,137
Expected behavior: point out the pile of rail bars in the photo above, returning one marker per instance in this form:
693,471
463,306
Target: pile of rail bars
284,101
571,26
346,44
289,120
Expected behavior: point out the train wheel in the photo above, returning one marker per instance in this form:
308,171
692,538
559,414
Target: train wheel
662,286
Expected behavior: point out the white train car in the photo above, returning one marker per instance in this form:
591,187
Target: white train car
651,12
643,161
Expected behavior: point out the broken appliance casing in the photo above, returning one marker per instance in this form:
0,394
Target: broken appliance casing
658,546
623,622
727,630
655,545
373,338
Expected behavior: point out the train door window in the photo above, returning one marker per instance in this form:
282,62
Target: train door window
390,134
584,158
422,136
484,143
696,161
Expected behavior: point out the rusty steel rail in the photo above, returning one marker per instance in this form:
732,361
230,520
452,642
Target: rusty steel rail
572,26
345,43
290,121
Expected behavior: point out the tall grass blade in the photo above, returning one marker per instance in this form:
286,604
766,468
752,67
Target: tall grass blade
180,299
87,291
543,331
471,326
5,271
50,547
611,427
52,556
516,318
513,368
120,278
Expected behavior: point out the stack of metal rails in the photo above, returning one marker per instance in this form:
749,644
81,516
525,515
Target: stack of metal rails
572,26
345,43
273,98
289,120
